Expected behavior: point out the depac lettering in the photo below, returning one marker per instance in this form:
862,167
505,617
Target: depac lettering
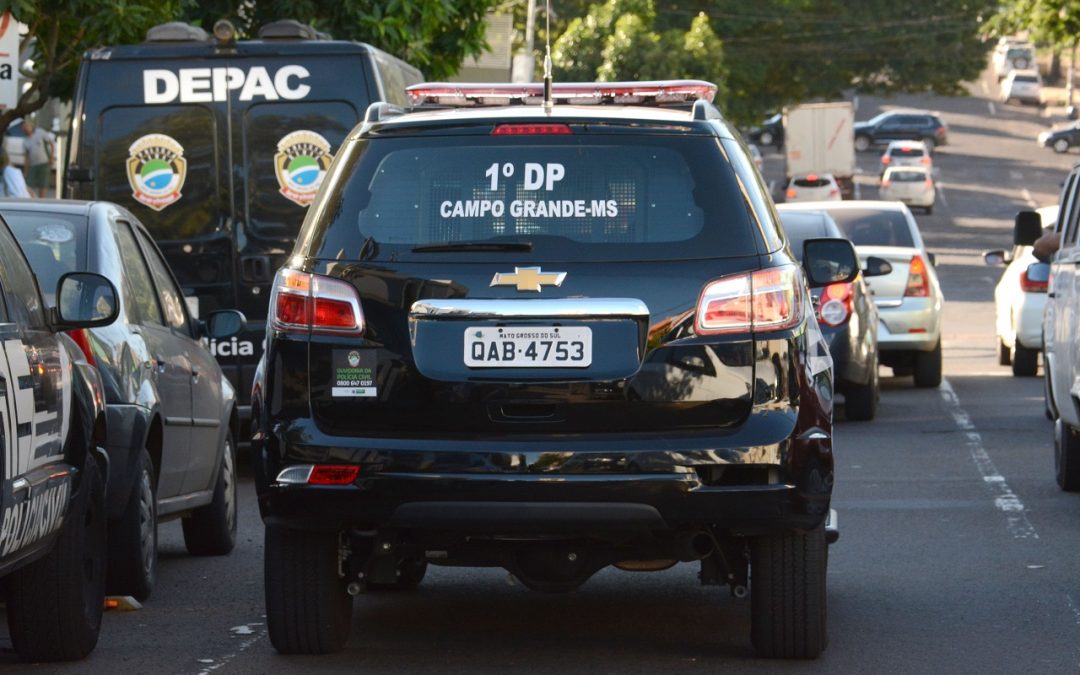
205,85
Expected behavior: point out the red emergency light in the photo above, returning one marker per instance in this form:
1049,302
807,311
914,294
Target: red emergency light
454,94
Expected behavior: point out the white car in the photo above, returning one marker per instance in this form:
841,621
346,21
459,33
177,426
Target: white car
912,185
1022,85
813,187
909,299
906,153
1013,57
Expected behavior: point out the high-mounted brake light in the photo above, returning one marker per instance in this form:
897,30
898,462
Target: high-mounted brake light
532,130
303,302
574,93
918,281
761,301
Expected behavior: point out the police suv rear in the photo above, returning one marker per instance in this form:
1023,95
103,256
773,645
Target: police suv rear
548,339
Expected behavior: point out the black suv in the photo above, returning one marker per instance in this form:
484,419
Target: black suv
901,125
549,339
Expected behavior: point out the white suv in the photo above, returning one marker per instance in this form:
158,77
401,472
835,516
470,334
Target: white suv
1022,85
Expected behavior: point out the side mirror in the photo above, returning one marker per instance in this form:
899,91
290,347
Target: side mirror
84,300
997,257
932,257
1027,229
877,267
224,323
829,261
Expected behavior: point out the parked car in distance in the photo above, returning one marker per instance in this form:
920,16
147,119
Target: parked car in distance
1022,85
909,299
813,187
171,412
1009,57
846,314
912,185
1019,303
771,132
898,125
563,392
906,153
1061,138
53,555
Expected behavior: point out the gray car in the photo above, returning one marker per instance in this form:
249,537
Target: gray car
909,299
172,420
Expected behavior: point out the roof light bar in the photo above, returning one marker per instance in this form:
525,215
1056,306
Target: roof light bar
443,94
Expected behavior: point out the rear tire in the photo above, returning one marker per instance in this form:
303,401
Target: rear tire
308,609
787,594
1004,354
927,367
1066,456
862,143
211,529
766,138
1025,362
1061,146
133,538
54,604
861,400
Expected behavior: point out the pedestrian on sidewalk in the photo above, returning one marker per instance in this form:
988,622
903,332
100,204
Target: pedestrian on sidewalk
11,179
40,145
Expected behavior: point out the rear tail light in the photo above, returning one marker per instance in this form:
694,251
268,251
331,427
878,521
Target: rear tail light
929,183
1029,286
319,474
760,301
925,160
305,302
940,131
886,159
833,192
836,304
82,338
918,280
791,194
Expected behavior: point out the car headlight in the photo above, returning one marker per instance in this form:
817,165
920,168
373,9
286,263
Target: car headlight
1043,137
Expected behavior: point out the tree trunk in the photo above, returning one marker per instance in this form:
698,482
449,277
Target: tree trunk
1069,76
1054,74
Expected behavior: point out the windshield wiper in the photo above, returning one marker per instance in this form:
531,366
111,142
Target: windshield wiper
495,246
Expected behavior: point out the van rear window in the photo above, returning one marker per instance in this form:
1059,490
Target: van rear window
578,196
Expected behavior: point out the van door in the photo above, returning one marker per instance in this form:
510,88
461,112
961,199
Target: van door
281,150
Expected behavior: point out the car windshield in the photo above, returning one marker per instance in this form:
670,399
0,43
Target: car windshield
580,196
874,227
54,245
812,182
907,151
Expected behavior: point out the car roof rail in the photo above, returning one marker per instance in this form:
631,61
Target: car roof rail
176,31
290,29
381,110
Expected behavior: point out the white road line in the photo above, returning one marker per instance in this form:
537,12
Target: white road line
222,661
941,195
772,186
1015,175
1073,608
1045,112
1005,500
1027,197
991,107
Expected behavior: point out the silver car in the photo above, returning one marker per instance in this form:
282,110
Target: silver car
909,299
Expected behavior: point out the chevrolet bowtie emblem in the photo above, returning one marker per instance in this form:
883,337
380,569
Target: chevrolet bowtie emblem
528,278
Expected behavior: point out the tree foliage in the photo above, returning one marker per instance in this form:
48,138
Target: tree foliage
770,53
1052,22
433,35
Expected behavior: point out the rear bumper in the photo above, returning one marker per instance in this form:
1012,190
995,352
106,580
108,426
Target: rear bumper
759,478
1029,331
913,326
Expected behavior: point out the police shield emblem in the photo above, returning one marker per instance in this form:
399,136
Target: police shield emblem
156,170
300,164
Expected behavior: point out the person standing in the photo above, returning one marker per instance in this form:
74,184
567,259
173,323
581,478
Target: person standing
11,179
40,145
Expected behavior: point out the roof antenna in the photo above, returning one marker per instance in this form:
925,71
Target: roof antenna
547,57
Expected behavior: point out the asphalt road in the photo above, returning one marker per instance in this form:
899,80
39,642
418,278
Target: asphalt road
957,551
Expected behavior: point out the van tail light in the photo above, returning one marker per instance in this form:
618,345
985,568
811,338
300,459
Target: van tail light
82,338
305,302
918,280
836,304
760,301
1030,286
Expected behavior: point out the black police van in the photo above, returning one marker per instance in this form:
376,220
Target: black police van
218,146
549,340
53,521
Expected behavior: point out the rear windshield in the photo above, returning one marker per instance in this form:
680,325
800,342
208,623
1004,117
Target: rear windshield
906,152
1025,78
800,226
572,197
54,245
1018,53
811,182
870,227
907,176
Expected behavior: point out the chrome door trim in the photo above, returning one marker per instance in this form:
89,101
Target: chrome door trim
499,308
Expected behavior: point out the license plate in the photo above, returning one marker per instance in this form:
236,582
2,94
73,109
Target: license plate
528,347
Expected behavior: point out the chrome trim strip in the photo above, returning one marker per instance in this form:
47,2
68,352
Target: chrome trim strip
888,303
498,308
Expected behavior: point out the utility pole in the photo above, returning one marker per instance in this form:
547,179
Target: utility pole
525,61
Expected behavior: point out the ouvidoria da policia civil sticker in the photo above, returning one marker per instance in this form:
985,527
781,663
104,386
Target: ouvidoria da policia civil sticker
300,163
353,373
156,170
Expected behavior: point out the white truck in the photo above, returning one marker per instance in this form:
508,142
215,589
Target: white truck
820,138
